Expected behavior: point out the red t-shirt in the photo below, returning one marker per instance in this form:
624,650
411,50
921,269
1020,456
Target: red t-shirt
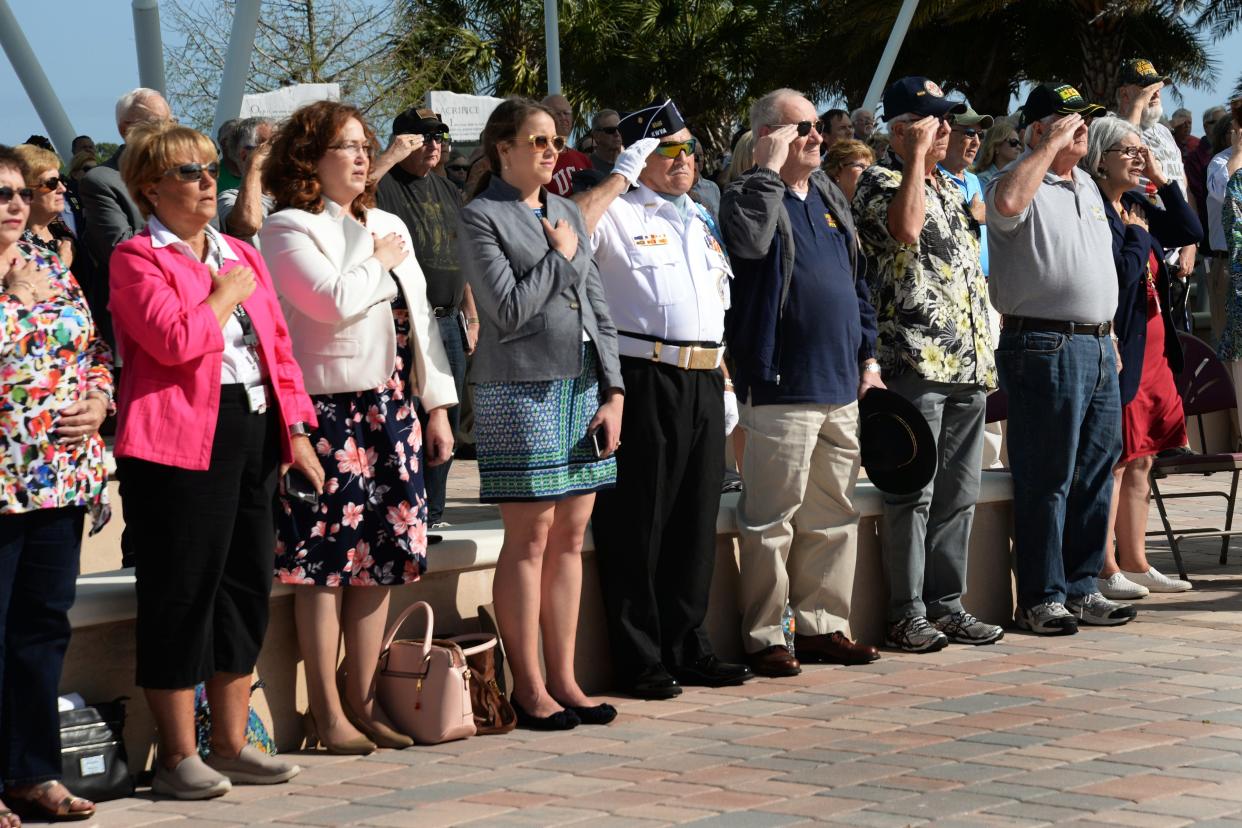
568,162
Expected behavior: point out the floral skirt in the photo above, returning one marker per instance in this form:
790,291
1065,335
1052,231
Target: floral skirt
531,437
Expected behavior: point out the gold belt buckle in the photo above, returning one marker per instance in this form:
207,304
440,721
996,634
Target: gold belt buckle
655,351
704,359
685,355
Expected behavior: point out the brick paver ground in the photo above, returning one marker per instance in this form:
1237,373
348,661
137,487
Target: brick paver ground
1136,726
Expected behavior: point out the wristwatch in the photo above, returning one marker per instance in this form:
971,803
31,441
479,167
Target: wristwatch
299,429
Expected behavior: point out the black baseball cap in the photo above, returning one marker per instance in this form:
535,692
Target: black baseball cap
1140,72
917,96
418,122
659,118
1056,99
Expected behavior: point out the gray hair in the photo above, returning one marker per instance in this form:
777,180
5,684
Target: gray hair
1213,115
134,99
767,110
243,134
854,115
601,115
1029,133
1104,133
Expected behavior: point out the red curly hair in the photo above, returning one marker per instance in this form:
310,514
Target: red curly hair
290,173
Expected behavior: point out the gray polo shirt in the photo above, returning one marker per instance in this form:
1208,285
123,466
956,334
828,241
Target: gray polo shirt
1054,260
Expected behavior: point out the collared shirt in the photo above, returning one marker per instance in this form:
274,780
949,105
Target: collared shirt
930,297
971,186
241,362
1054,260
1217,181
664,276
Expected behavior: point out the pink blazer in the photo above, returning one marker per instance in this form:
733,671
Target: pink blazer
172,347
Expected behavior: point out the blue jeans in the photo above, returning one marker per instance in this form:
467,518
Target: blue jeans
1064,439
436,478
39,553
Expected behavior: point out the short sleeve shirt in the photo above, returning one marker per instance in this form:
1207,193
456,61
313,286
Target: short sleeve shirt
930,297
430,206
568,162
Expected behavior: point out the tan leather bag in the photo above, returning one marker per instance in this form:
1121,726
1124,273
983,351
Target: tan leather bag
492,712
423,685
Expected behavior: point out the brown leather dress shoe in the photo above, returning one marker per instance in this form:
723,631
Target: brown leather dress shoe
774,662
833,648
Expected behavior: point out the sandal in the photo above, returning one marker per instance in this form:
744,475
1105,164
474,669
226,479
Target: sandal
33,807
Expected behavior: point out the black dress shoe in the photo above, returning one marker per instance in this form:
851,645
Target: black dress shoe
560,720
654,683
599,714
710,671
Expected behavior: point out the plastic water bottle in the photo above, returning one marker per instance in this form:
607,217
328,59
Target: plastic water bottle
790,624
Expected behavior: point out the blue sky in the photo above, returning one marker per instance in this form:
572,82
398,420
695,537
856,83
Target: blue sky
90,63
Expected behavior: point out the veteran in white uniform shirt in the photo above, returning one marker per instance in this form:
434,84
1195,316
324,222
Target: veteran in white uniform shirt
666,277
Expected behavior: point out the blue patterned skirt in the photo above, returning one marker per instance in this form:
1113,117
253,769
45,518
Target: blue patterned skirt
531,437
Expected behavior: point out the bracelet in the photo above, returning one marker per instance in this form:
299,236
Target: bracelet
728,383
299,429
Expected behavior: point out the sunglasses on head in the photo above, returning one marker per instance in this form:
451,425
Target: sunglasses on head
542,142
26,194
194,172
53,183
673,149
612,130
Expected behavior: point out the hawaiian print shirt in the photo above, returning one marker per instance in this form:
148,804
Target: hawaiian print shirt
50,358
931,299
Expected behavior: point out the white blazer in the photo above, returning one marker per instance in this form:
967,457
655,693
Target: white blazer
336,295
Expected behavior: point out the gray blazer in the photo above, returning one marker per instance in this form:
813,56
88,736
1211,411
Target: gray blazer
111,215
534,302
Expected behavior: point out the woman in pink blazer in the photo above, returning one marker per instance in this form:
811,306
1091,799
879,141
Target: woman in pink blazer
211,409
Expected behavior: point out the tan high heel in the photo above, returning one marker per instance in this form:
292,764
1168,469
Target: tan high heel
357,746
378,732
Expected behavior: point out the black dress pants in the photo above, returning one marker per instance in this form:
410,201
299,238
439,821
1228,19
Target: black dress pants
655,533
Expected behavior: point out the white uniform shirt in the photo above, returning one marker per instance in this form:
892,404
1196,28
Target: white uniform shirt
241,363
663,276
1217,182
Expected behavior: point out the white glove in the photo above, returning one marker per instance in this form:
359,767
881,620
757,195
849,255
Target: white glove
631,161
731,415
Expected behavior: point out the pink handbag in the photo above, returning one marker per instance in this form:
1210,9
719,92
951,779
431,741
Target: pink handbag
424,685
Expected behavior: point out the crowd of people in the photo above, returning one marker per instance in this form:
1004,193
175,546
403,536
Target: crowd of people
283,324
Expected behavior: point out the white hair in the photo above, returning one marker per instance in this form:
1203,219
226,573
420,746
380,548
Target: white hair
1029,134
131,100
1213,115
854,115
1103,134
767,110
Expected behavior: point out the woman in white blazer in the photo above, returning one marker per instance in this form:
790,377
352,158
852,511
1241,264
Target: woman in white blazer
367,342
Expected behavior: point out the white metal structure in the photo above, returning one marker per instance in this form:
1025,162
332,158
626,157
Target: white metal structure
895,38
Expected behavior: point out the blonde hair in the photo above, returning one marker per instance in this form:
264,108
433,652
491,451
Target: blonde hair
152,148
843,152
743,157
80,160
37,160
999,131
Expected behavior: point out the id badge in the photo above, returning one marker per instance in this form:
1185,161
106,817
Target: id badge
257,396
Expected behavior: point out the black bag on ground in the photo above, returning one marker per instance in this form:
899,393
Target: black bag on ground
92,752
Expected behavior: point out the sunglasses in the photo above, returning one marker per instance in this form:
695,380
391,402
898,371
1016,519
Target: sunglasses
969,132
1013,143
676,148
804,127
194,172
542,142
612,130
460,168
436,137
52,184
6,195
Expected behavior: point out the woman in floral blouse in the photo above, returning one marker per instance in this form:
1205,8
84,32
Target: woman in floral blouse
55,390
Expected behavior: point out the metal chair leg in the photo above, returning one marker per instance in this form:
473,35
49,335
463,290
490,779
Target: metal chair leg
1168,528
1224,540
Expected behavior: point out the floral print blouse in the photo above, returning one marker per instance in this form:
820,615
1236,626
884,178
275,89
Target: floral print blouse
931,299
50,357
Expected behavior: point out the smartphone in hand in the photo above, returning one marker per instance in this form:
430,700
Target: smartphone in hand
597,442
298,487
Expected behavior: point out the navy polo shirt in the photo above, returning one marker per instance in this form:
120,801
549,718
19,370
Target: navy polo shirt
821,332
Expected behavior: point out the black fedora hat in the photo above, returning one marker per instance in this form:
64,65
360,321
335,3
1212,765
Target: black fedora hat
898,449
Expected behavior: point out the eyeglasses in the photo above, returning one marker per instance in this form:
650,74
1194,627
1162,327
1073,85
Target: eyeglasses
6,195
194,172
1012,143
676,148
856,165
969,132
460,168
53,184
1127,152
542,142
352,148
804,127
436,137
612,130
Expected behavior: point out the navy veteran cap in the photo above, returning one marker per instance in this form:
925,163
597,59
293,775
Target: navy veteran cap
917,96
1061,99
1140,72
657,119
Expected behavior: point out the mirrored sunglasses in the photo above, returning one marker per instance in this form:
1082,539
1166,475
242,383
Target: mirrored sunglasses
676,148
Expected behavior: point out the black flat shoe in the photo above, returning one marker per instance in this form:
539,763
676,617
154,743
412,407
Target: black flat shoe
710,671
600,714
565,719
654,683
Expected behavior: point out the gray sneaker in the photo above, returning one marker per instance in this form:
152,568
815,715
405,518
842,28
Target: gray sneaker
191,779
915,635
1096,610
963,628
1051,618
253,767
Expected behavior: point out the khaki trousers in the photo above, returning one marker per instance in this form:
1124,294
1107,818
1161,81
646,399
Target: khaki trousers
796,518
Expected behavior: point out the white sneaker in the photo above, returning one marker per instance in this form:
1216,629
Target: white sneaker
1156,581
1120,588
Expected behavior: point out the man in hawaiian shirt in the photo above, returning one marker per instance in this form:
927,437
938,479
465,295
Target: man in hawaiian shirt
935,349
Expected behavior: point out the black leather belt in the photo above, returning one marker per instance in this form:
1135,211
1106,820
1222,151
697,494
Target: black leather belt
1031,323
442,311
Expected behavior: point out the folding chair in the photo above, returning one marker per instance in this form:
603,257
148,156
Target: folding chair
1205,387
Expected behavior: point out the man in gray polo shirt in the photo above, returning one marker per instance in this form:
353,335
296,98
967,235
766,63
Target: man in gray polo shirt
1054,282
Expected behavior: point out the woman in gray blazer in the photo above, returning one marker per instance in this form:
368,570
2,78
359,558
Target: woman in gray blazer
548,397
